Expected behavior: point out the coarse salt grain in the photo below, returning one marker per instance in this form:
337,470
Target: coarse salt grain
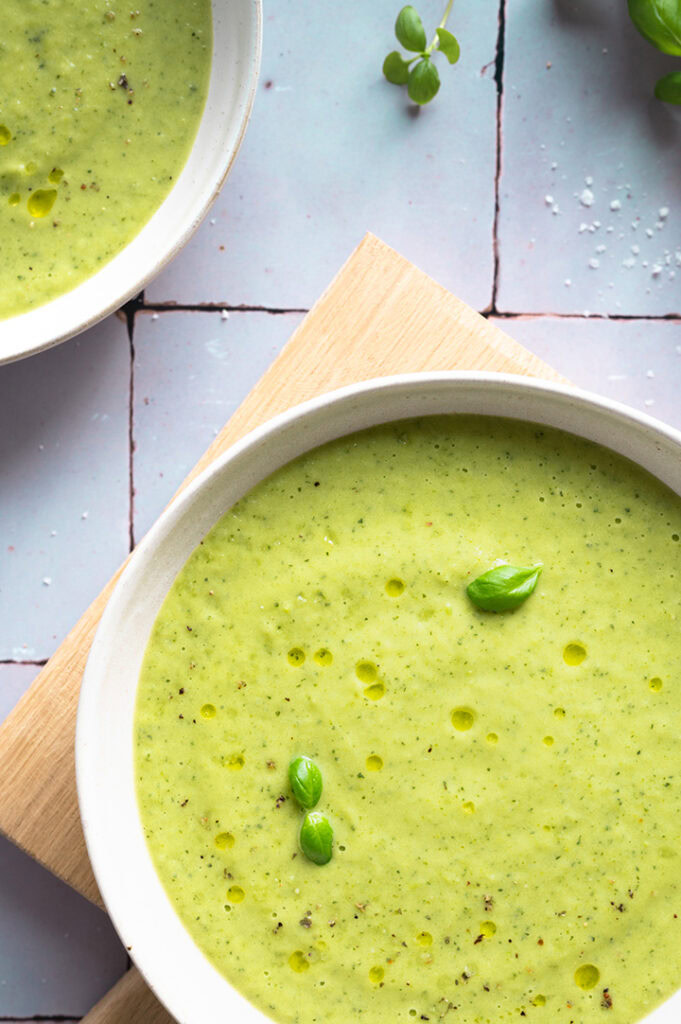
587,197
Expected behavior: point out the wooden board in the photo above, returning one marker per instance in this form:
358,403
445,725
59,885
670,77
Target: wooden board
381,315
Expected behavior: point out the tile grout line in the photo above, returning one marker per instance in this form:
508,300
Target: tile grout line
499,79
614,317
491,311
38,663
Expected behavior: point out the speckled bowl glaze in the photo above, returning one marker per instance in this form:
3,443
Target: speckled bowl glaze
237,33
176,969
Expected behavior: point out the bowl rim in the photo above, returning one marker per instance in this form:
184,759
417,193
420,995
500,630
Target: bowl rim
665,438
12,347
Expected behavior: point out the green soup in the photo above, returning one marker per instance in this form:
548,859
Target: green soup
504,789
99,105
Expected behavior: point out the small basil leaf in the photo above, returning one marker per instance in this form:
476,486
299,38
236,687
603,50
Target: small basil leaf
396,68
449,45
503,588
658,21
316,837
423,82
668,89
306,781
409,30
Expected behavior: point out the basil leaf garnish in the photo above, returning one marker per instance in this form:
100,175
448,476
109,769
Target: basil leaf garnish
316,837
306,781
504,588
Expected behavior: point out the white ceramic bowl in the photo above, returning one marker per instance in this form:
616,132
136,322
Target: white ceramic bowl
191,988
237,34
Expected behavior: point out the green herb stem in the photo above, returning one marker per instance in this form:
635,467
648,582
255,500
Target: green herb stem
443,24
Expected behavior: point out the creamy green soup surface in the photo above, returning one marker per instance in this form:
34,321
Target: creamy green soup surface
505,789
100,101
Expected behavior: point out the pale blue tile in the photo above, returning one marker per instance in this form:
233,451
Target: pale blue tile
635,361
587,122
14,681
64,485
333,151
58,953
192,370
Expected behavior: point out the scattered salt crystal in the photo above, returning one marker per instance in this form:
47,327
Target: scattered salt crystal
589,180
587,197
677,257
650,373
567,282
592,228
601,248
645,263
634,224
636,249
663,212
649,402
610,229
41,447
224,315
594,263
554,166
629,262
154,316
649,232
615,205
583,227
656,269
47,580
549,200
53,533
556,209
672,275
597,223
659,225
213,220
84,515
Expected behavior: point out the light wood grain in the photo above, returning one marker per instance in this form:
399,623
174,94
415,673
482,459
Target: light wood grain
130,1001
381,315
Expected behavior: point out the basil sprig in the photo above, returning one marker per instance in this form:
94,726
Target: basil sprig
503,588
419,73
659,21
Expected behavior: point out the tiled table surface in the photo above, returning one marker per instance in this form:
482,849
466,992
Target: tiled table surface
542,187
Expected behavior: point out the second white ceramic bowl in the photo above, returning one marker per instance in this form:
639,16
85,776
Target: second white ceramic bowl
183,979
237,35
